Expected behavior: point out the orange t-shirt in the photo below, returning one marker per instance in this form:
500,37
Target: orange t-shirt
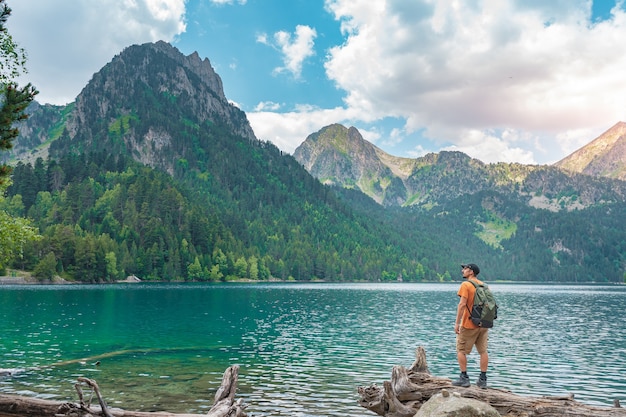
468,291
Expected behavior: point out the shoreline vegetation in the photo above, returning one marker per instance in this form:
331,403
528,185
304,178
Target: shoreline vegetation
21,277
18,277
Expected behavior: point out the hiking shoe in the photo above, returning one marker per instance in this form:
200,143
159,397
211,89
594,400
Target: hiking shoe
481,382
463,381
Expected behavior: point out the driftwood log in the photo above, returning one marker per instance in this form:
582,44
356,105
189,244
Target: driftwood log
410,388
224,404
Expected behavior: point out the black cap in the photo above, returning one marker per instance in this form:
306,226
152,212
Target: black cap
473,267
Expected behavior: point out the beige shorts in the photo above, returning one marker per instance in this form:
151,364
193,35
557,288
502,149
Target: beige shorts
468,338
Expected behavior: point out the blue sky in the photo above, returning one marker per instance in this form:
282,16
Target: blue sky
526,81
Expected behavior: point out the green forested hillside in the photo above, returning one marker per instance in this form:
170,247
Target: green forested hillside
544,246
153,172
104,217
257,214
524,222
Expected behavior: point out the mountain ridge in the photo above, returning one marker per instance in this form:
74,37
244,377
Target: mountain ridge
604,156
354,162
186,83
397,181
143,177
152,173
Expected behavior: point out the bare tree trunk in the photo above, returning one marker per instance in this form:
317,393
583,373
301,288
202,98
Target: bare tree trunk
225,404
410,388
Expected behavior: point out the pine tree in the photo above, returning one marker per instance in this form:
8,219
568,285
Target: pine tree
14,99
14,232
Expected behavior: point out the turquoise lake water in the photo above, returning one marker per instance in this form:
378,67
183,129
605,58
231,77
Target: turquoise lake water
303,349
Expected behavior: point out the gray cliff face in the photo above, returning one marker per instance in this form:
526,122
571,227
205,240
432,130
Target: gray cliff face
193,62
142,71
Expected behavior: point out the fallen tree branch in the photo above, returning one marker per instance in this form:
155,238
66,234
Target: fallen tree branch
224,405
94,389
410,388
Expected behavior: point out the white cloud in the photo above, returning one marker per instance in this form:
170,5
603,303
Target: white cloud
223,2
571,140
293,49
417,151
96,32
262,38
166,10
370,135
462,71
289,130
267,106
490,148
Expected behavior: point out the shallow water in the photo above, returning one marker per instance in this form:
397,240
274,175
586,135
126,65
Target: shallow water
303,349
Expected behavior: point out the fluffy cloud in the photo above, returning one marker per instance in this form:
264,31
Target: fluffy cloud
515,80
468,73
294,49
95,33
286,130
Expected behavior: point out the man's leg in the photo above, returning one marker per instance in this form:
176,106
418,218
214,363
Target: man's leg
482,342
461,357
481,346
484,361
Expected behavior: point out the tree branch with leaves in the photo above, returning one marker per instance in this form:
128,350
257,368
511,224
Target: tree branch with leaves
14,99
14,231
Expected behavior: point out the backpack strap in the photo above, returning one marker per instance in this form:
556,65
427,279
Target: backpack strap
475,287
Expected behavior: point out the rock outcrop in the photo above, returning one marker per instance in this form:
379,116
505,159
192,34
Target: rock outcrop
445,404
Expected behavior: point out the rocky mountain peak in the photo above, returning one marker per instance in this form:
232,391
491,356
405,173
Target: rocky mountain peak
193,62
340,156
605,156
188,80
333,144
135,104
151,85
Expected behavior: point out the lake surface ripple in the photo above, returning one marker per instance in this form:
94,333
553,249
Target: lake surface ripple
303,349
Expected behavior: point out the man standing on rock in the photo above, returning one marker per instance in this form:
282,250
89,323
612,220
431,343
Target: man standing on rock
468,334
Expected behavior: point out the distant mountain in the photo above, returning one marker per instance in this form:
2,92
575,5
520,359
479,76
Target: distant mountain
523,216
152,172
45,124
605,156
340,156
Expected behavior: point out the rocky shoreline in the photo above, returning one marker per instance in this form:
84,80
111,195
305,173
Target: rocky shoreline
25,278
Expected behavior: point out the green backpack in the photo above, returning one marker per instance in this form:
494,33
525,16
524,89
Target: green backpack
485,309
